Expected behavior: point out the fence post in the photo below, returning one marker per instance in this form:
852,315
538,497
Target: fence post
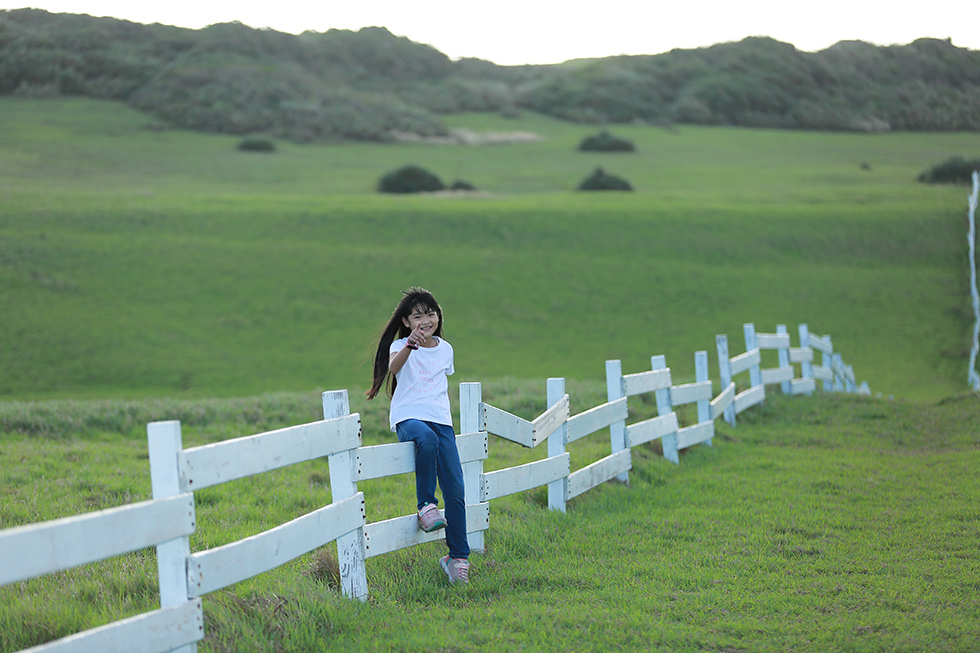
343,484
557,490
827,360
164,442
725,372
838,368
806,367
614,391
470,421
701,375
783,354
751,342
665,407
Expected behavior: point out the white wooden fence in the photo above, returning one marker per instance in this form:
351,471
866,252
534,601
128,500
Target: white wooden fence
168,520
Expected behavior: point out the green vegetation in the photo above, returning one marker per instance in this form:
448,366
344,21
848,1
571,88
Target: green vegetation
369,85
833,523
257,144
605,142
410,179
138,263
601,180
954,170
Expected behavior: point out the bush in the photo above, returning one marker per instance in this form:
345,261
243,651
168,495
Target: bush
459,184
599,180
410,179
955,170
255,144
605,142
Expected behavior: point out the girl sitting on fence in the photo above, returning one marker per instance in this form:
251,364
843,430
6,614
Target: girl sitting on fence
416,366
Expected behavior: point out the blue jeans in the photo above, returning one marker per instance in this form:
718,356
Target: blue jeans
436,457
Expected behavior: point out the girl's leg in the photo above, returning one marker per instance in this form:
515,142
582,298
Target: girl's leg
450,474
426,452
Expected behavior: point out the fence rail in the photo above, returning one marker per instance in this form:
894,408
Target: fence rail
168,520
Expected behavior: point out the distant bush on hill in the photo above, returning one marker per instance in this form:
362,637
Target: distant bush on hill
410,179
606,142
600,180
955,170
256,144
459,184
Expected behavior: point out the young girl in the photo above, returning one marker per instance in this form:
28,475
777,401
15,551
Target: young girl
415,366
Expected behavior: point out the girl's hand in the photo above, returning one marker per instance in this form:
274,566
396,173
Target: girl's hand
416,338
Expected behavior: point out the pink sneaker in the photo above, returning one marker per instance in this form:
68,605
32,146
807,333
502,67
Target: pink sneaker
458,569
430,518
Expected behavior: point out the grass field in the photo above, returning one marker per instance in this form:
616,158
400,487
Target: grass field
154,264
835,523
164,275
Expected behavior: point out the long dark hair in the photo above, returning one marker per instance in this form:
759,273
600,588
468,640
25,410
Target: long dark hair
413,298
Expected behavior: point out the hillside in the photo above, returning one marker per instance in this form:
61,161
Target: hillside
365,85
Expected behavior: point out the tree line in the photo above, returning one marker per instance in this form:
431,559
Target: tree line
370,84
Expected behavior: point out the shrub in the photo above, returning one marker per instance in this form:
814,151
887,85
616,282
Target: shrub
599,180
410,179
605,142
955,170
459,184
257,144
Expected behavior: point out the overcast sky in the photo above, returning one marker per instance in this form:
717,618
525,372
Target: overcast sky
511,32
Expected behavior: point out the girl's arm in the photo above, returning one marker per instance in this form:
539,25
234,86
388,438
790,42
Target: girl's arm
397,360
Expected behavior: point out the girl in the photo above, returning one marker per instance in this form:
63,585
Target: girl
415,366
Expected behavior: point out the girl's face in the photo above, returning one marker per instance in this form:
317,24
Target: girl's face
425,317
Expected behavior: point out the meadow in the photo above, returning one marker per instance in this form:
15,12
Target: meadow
165,275
140,263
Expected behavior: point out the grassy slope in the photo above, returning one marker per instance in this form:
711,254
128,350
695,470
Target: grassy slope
135,263
825,524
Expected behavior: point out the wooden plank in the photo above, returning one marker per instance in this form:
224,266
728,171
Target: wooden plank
800,355
695,434
502,482
37,549
599,472
596,418
745,361
507,426
690,393
472,446
402,532
221,462
749,398
822,373
720,403
803,386
644,382
549,421
821,344
651,429
151,632
772,340
774,375
234,562
382,460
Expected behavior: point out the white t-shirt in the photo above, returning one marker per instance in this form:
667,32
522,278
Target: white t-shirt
422,391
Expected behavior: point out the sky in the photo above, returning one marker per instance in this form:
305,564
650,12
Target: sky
513,32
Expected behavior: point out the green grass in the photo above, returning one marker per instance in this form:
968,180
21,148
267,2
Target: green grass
832,523
137,264
165,275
